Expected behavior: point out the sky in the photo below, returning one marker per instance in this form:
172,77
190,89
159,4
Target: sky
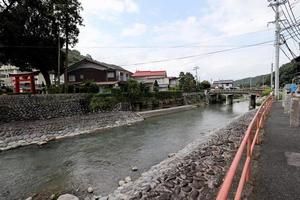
132,33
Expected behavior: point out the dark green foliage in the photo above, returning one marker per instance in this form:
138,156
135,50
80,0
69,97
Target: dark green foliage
286,73
89,87
187,82
204,85
29,32
103,103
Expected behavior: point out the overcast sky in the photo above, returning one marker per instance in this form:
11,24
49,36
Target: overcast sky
201,26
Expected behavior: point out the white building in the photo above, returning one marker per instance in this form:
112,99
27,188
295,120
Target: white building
149,78
223,84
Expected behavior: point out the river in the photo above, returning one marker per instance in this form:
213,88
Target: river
101,159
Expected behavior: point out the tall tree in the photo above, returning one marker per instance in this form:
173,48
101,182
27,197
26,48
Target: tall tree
30,29
187,82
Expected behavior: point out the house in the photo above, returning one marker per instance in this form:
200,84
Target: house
173,82
103,74
149,78
223,84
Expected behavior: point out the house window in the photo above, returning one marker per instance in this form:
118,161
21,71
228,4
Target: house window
81,76
72,78
110,75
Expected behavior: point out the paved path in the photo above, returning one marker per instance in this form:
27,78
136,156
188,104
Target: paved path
278,175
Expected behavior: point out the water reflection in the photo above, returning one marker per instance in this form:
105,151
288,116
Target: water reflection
101,159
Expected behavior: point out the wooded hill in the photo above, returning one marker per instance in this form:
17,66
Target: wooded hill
287,73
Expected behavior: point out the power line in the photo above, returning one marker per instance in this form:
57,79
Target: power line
285,54
188,45
199,55
297,27
287,46
291,24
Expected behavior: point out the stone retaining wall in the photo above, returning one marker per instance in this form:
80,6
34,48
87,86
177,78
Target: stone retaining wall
21,133
195,172
34,107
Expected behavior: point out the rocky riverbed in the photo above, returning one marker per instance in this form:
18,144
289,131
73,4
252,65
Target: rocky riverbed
195,172
21,133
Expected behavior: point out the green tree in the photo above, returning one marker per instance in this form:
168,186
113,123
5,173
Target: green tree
204,85
29,32
187,82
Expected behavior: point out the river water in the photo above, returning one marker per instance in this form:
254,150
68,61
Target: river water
101,159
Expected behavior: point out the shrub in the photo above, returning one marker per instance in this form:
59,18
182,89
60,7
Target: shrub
103,103
266,92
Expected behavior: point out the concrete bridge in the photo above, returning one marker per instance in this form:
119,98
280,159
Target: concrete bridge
214,95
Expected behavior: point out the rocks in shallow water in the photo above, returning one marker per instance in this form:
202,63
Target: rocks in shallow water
194,173
171,155
127,179
90,190
121,182
134,168
52,197
67,197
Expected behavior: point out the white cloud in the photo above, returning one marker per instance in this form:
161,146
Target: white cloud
136,29
220,25
109,10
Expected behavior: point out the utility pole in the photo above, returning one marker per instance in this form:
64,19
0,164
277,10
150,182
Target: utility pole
276,4
58,59
196,69
272,76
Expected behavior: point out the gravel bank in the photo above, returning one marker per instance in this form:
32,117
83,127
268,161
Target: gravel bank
195,172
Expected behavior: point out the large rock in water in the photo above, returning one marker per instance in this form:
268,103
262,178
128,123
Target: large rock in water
67,197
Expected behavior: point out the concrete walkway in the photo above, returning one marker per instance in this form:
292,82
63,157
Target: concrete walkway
278,175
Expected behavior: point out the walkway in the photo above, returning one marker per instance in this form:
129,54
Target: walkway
278,175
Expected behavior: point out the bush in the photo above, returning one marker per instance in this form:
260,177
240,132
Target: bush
266,92
103,103
89,87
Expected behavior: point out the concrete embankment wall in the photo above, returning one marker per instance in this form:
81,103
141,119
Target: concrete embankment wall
35,107
195,172
158,112
22,133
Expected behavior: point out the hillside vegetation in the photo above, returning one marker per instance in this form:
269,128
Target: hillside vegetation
287,73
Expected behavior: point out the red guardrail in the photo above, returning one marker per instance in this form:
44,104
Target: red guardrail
250,139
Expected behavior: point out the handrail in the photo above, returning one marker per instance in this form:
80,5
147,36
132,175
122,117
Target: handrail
247,143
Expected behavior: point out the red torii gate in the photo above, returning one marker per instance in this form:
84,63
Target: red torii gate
24,77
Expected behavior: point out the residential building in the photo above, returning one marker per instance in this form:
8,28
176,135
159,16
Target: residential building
103,74
149,78
5,70
173,82
223,84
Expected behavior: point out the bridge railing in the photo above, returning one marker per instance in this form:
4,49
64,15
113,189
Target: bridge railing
248,143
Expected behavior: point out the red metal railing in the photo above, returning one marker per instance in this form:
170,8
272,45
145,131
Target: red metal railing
250,139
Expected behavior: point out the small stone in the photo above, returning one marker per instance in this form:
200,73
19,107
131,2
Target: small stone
134,168
121,182
29,198
127,179
52,197
67,197
187,189
194,194
90,190
171,155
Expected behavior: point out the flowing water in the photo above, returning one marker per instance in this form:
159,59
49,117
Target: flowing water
101,159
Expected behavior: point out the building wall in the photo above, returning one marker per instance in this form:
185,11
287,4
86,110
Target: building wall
83,74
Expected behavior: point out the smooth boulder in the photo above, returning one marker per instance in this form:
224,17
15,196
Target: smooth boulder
67,197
